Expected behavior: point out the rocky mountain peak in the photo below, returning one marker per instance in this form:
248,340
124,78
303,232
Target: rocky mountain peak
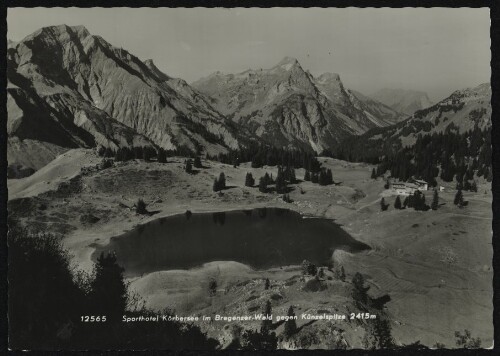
288,63
328,77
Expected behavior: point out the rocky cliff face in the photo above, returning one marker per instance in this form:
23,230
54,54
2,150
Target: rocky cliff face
287,106
72,89
404,101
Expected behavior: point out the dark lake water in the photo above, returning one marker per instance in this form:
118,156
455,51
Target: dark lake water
260,238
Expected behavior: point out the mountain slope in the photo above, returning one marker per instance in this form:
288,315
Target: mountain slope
404,101
463,111
72,89
287,107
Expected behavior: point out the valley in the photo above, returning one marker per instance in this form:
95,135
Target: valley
434,265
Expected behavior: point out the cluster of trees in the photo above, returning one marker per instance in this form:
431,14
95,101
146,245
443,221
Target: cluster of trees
262,154
415,201
458,155
264,339
219,183
147,154
285,176
323,177
48,299
448,154
264,181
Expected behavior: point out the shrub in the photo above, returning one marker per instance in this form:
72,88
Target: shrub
466,341
308,268
212,287
359,291
106,163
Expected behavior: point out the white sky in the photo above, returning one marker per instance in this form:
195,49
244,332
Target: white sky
435,50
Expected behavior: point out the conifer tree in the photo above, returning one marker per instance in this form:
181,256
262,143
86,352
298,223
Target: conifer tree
268,179
383,205
314,177
249,181
216,186
263,185
459,198
307,176
397,203
378,335
162,156
108,289
280,182
266,324
329,176
267,284
222,181
189,166
146,154
374,174
290,324
435,200
140,207
197,162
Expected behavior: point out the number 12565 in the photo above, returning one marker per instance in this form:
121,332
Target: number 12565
93,318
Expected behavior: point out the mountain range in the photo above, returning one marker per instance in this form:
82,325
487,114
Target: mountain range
287,106
68,88
403,101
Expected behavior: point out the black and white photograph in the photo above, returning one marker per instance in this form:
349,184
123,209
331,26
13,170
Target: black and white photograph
249,178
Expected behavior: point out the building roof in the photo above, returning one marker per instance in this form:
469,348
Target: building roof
419,181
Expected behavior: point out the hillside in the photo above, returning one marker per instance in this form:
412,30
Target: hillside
404,101
72,89
451,139
461,112
286,106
